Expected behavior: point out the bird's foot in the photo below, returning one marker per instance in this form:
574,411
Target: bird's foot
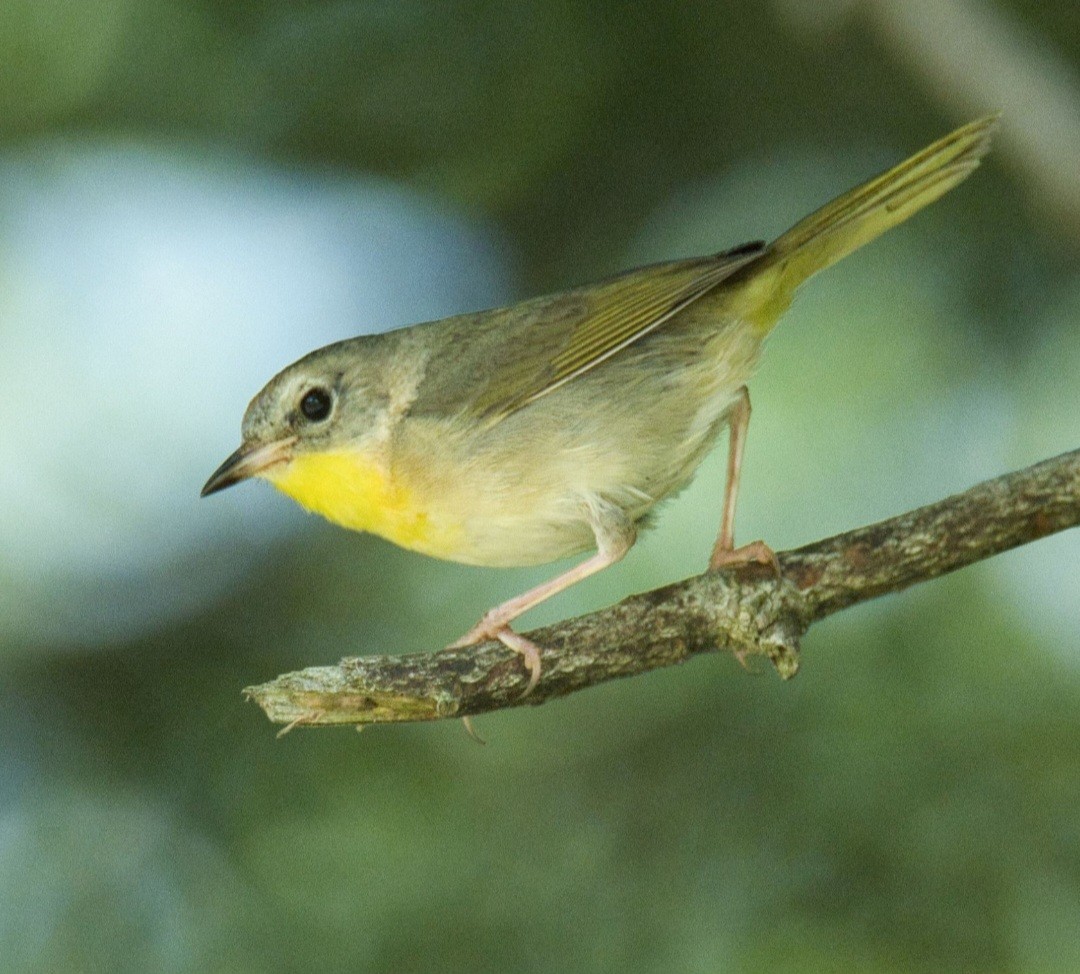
494,628
757,552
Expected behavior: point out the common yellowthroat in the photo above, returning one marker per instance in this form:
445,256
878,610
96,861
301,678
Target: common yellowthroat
521,435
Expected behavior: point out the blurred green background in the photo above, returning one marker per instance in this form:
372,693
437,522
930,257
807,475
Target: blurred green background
195,192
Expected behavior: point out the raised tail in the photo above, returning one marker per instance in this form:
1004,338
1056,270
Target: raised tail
764,289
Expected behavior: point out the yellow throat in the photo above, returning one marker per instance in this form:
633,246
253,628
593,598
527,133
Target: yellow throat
359,493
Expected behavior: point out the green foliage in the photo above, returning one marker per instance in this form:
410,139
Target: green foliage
55,56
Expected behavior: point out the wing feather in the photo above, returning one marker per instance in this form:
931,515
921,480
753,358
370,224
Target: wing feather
611,315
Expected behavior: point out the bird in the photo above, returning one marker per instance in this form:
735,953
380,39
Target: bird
555,426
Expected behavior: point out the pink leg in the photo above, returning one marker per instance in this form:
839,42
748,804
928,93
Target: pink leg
724,552
615,535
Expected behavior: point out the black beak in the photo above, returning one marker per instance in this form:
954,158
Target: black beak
249,460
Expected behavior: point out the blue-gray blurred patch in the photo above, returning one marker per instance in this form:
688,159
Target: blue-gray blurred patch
145,296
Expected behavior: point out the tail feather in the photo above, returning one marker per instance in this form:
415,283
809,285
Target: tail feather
856,218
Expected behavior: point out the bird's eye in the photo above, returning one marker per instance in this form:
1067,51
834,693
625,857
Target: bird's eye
315,404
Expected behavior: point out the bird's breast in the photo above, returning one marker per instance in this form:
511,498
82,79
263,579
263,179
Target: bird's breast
359,493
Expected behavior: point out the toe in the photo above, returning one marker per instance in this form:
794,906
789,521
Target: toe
530,654
480,633
487,629
757,552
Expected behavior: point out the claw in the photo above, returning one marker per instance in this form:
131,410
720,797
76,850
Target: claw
466,722
529,651
526,648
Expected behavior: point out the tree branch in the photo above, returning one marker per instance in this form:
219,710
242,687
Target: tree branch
748,612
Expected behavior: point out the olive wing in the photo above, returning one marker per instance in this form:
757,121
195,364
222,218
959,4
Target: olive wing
551,341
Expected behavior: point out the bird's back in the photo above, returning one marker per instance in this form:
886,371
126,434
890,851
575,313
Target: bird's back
631,430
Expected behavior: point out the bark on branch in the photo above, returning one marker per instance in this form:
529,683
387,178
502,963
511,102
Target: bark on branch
748,612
